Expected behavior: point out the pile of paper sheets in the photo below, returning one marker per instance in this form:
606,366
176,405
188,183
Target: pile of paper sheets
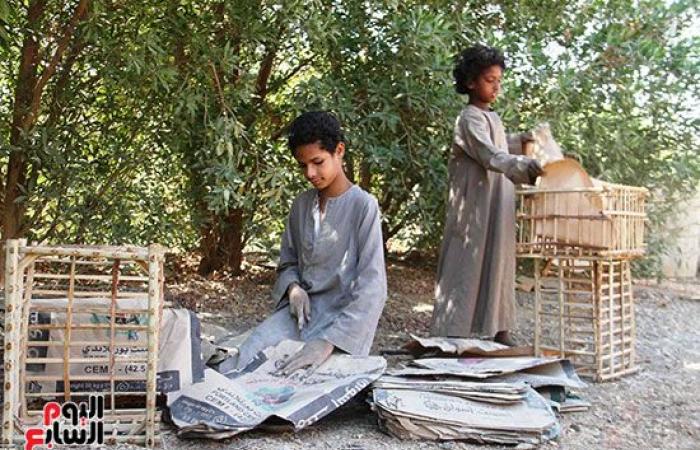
491,398
413,414
499,393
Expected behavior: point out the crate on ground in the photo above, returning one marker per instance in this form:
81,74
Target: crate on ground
601,220
83,320
584,311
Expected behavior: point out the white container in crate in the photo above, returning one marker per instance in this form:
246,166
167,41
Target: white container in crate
568,213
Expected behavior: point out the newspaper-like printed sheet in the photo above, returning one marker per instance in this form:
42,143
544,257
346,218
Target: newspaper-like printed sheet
558,373
475,367
429,415
223,406
446,346
555,373
456,346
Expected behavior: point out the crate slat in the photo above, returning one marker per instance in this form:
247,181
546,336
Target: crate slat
594,328
598,221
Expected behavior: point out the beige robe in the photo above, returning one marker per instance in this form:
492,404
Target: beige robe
476,270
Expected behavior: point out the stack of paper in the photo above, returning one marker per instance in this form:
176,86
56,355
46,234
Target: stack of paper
412,414
491,398
499,393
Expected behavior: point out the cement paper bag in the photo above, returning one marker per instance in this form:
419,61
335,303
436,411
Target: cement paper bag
179,359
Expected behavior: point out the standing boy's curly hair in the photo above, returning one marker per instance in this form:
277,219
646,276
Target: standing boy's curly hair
315,126
472,61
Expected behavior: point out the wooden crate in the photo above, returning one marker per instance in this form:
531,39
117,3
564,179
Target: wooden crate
605,220
584,310
60,301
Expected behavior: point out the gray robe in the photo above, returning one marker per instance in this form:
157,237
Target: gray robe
342,270
475,287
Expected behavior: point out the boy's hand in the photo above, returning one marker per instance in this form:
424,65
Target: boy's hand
299,304
534,170
312,354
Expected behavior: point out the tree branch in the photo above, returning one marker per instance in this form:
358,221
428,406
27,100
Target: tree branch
14,176
69,30
54,222
264,74
62,81
392,232
219,89
279,82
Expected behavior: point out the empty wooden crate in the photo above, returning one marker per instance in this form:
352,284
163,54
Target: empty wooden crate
584,310
78,321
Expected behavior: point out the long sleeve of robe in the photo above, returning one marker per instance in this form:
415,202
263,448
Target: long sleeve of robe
475,286
288,267
342,269
515,143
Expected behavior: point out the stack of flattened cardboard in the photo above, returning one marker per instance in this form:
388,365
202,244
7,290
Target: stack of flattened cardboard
499,393
414,414
488,398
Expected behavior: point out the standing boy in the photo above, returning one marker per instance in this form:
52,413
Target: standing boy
476,269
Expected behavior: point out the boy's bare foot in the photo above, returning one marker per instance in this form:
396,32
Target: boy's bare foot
503,337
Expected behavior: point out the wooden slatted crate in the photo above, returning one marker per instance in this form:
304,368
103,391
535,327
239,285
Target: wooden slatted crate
605,220
82,320
584,310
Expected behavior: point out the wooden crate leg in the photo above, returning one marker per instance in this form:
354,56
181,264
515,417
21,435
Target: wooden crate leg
562,337
631,318
597,325
154,296
13,293
538,305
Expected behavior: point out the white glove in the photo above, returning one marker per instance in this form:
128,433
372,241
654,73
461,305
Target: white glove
312,354
299,304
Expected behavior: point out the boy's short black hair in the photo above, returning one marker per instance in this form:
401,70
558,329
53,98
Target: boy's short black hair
472,61
315,126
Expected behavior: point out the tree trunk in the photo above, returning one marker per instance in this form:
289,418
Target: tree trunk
385,238
222,243
13,210
349,168
16,174
28,96
365,175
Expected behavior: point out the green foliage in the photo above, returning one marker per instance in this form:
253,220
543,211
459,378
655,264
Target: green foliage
165,116
96,172
622,95
389,81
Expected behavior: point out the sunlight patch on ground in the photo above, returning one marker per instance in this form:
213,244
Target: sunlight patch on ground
691,366
423,308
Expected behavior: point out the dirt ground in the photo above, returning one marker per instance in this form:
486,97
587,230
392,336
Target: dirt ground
658,407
